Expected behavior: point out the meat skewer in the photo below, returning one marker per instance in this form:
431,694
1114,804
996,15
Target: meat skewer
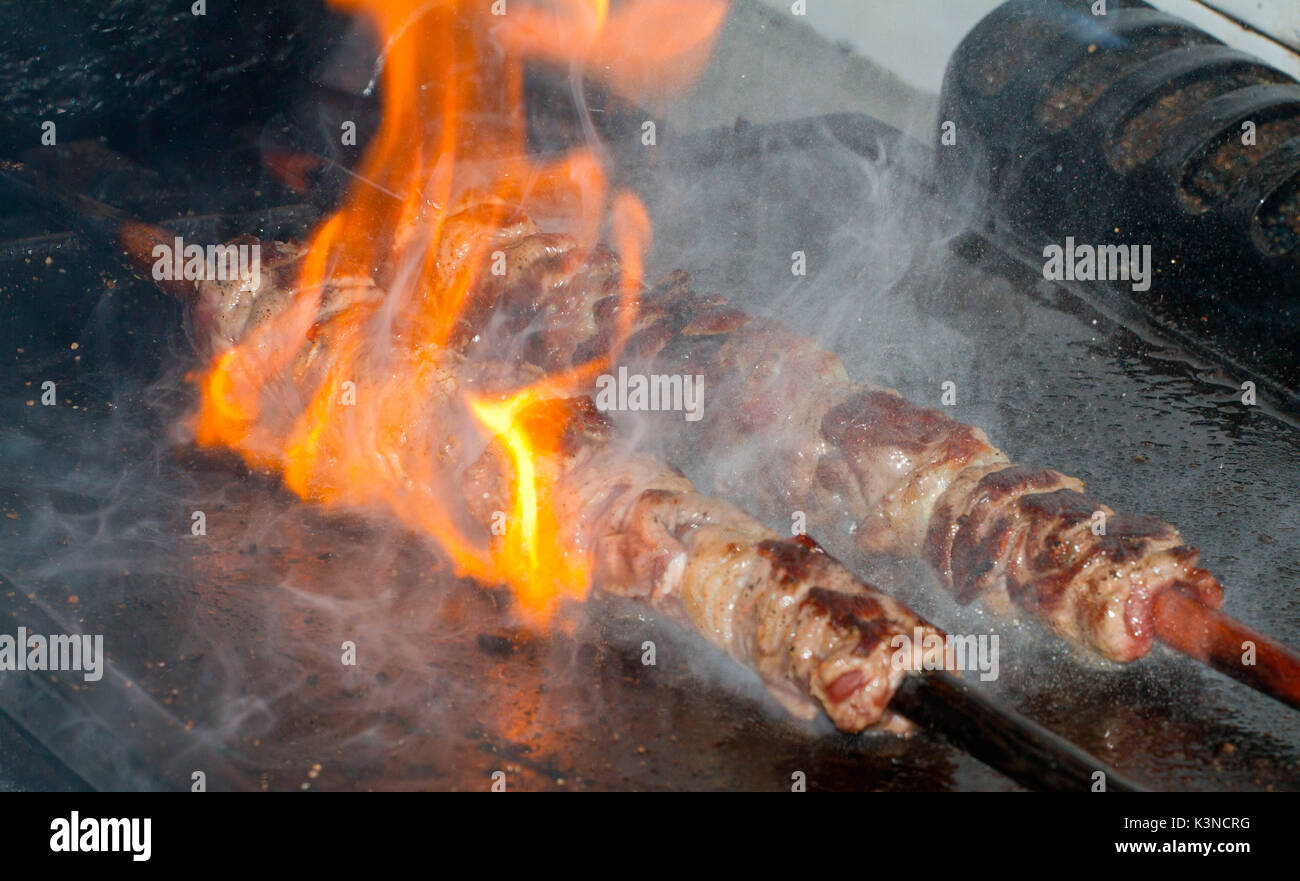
572,306
915,482
816,634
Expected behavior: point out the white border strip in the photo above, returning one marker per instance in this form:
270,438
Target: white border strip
1235,34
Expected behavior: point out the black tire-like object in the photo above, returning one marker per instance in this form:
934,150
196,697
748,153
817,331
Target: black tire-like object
1127,128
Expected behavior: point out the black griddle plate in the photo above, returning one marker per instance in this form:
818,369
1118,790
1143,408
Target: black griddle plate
226,649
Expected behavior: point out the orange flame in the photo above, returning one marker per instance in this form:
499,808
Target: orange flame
357,409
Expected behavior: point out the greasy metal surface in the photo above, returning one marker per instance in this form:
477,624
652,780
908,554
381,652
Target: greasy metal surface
226,649
140,71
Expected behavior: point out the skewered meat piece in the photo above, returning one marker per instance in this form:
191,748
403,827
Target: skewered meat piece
913,481
813,632
783,607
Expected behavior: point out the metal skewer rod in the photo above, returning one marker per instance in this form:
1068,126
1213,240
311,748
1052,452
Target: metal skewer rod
1001,738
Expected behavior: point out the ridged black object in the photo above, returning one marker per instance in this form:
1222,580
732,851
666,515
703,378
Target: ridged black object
1126,128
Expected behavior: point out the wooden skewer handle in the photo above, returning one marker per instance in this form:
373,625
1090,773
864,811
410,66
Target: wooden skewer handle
1224,643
